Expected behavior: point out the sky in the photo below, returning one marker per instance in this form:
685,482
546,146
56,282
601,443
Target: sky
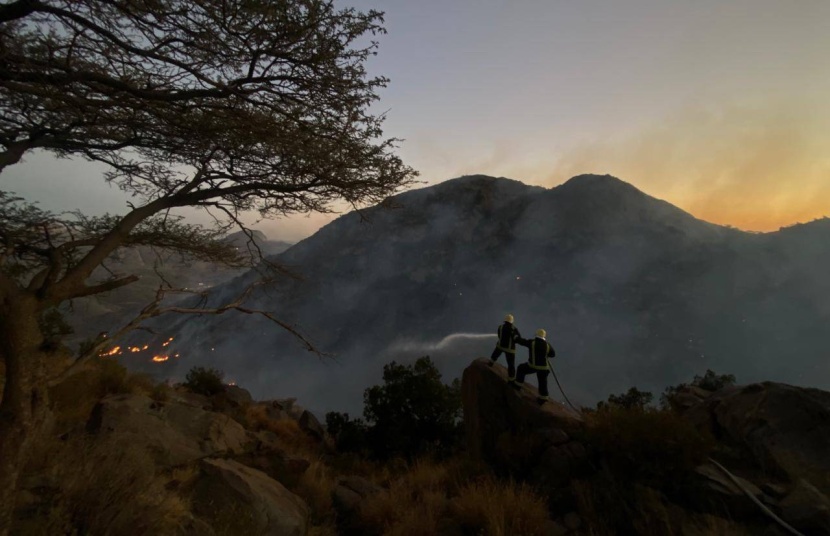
721,107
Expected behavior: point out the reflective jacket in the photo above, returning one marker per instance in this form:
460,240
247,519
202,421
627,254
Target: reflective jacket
508,335
540,351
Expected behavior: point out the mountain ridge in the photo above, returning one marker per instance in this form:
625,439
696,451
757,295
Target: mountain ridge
632,289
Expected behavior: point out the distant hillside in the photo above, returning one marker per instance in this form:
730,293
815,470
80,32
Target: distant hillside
632,290
109,311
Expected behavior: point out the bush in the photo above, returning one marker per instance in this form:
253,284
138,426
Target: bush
349,435
204,381
493,508
655,447
633,399
710,381
103,488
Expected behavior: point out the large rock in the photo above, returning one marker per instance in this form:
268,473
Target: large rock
807,509
236,499
347,498
719,491
511,431
310,425
174,433
786,429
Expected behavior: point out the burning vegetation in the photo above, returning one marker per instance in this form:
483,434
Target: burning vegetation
157,358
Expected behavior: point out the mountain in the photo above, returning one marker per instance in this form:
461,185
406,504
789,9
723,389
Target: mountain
632,291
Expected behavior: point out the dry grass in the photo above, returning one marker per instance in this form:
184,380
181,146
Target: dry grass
706,525
104,488
315,487
413,504
432,497
290,437
494,508
654,447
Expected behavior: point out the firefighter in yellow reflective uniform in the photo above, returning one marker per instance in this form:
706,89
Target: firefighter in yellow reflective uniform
540,350
508,335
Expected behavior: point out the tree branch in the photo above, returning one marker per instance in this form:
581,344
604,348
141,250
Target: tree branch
154,309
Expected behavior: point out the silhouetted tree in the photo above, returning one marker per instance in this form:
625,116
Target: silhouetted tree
225,105
412,413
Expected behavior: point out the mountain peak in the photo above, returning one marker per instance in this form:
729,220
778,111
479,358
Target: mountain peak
598,182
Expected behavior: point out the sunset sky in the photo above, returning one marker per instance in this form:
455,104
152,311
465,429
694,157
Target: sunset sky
721,107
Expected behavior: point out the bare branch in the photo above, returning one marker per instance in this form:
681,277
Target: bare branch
155,309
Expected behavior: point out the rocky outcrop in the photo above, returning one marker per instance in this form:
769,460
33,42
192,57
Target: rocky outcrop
174,433
347,497
235,499
784,430
513,433
310,425
807,508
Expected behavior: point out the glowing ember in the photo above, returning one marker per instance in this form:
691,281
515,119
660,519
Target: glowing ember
160,358
112,352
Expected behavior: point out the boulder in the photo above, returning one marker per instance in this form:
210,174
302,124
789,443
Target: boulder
784,429
237,396
235,499
508,428
310,425
347,496
719,491
182,395
806,509
174,433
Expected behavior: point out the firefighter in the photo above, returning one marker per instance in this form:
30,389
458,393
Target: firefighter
508,335
540,350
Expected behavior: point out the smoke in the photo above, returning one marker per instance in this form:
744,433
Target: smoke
755,166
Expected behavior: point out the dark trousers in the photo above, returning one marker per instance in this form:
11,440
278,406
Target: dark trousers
511,361
541,377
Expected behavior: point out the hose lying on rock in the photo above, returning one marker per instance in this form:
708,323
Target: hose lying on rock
761,505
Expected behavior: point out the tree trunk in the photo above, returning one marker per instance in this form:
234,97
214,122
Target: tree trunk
24,401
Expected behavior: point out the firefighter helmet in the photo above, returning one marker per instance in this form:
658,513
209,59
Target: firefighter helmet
541,333
508,318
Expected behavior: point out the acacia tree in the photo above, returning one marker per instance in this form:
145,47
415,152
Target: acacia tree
226,105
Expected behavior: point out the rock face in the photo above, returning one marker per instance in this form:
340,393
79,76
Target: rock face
347,497
509,430
236,499
785,429
175,433
806,508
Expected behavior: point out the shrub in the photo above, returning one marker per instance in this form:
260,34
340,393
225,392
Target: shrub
204,381
413,504
655,447
73,399
316,486
349,435
290,436
494,508
104,488
710,381
633,399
